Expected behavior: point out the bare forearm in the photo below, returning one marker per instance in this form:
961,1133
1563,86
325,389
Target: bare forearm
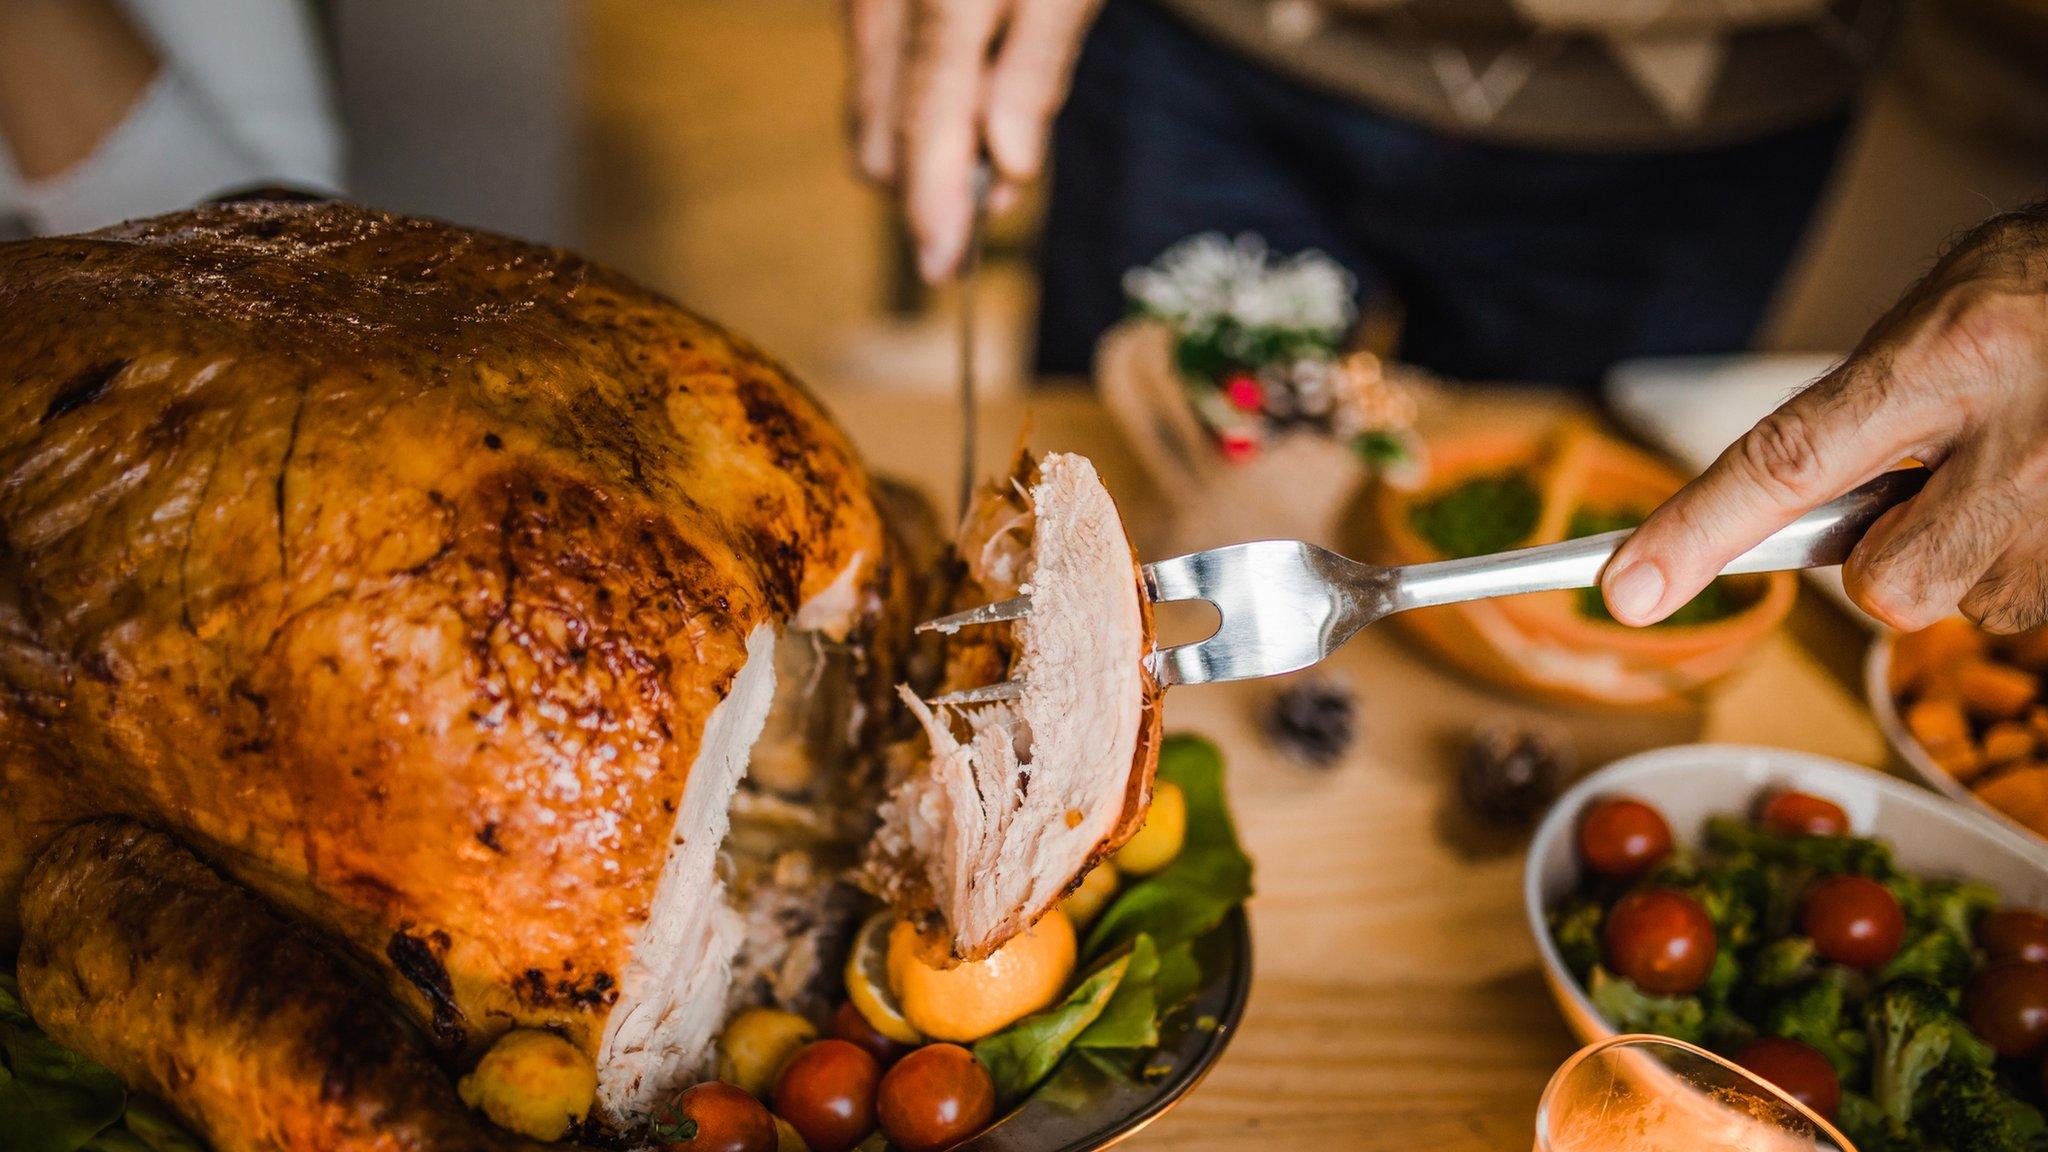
70,70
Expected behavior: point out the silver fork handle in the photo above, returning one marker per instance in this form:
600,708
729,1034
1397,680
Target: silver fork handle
1822,537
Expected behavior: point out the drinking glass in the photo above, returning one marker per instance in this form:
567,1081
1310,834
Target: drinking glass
1640,1093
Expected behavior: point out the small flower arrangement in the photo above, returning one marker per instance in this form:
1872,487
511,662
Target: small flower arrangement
1258,344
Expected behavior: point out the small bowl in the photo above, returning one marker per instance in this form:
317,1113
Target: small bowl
1877,690
1929,834
1540,644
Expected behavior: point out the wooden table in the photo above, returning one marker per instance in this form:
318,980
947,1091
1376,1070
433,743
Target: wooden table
1397,1002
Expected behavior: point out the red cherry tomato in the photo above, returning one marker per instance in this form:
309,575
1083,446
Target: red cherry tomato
2014,934
1621,839
1853,920
849,1025
2007,1005
934,1098
1803,814
1799,1070
827,1093
721,1118
1660,939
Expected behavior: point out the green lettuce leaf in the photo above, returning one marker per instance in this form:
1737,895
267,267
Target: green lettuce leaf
52,1099
1211,875
157,1131
1019,1056
1131,1018
1180,974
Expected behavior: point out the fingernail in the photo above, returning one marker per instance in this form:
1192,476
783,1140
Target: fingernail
940,256
934,265
1634,592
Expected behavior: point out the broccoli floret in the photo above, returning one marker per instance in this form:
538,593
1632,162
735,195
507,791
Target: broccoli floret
1575,927
1965,1108
1730,888
1831,854
1865,1124
1938,957
1816,1013
1721,978
1913,1030
1679,867
1782,962
1952,906
1630,1009
1725,1030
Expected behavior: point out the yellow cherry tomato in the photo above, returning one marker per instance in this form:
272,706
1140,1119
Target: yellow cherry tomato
756,1044
1159,839
1092,895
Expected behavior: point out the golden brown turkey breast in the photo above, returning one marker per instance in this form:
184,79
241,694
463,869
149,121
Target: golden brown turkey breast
426,581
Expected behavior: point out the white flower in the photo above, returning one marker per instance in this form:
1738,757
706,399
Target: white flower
1206,279
1308,292
1194,282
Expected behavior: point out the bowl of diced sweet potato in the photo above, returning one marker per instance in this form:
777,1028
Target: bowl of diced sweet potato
1968,712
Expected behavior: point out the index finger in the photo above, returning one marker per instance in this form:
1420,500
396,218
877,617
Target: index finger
877,29
941,125
1850,425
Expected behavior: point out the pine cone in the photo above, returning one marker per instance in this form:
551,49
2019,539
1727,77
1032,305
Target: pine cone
1314,720
1510,773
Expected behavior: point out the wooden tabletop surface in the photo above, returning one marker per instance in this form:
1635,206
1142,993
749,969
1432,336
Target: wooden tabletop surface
1397,1002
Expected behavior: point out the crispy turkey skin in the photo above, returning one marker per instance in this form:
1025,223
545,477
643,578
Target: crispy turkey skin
399,570
189,988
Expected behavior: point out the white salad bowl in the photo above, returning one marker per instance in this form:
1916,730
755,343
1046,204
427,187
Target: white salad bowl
1929,835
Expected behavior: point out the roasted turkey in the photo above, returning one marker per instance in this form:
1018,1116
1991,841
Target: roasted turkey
521,642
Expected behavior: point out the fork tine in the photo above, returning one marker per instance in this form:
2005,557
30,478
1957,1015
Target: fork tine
987,694
1175,579
1015,608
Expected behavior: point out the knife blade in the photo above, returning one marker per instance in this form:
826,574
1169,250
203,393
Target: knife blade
970,268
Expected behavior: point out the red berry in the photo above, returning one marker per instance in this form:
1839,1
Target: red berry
1243,391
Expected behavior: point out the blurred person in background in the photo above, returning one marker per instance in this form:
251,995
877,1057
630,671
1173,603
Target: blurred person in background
1545,186
112,110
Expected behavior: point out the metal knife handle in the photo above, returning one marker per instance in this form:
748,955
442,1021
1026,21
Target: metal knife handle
1820,538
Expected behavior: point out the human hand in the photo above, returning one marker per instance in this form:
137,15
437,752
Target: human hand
1956,376
937,82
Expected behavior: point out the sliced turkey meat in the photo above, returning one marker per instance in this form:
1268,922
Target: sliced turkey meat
1006,805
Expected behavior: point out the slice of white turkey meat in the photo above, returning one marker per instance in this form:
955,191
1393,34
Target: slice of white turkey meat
1018,798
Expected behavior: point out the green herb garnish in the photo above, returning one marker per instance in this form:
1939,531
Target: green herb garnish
1479,516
